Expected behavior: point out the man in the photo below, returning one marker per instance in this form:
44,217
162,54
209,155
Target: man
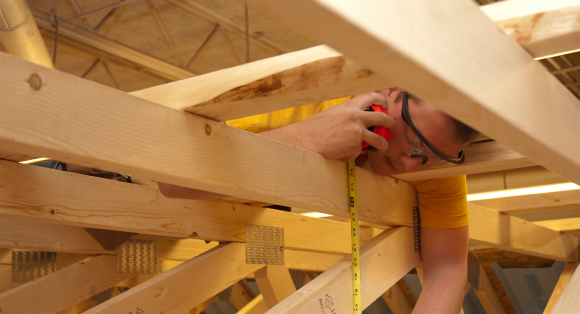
422,136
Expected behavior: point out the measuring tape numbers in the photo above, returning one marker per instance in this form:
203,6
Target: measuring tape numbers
357,304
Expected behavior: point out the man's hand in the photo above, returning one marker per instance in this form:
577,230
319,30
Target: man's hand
339,131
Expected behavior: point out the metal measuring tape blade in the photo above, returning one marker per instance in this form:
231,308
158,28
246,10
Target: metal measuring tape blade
356,278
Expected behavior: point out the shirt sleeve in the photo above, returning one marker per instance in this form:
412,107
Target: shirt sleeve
443,202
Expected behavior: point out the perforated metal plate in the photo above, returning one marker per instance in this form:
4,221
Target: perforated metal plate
417,229
473,270
264,245
137,256
30,265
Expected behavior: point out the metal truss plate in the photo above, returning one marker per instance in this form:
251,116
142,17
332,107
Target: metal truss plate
137,256
264,245
30,265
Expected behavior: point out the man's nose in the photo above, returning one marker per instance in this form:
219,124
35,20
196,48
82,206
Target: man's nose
411,163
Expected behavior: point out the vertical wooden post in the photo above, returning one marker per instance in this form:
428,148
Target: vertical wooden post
275,283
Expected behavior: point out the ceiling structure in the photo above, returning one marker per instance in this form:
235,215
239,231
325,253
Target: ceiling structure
135,44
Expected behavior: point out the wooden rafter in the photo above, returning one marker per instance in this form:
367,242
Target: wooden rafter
332,290
170,293
418,58
165,145
533,202
63,288
506,232
560,286
543,28
58,197
275,284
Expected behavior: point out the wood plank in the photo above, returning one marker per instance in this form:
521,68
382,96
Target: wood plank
418,58
506,232
332,290
311,261
397,301
569,301
275,284
169,293
543,28
163,144
256,306
566,224
560,286
29,235
63,288
479,158
487,295
533,203
199,308
240,295
289,80
45,195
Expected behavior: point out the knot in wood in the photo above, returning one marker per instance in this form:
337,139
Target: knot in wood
207,129
35,82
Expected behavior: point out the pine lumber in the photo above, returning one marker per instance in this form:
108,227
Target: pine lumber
275,283
543,28
169,293
568,301
487,295
256,306
37,236
44,195
565,224
533,202
63,288
163,144
289,80
397,301
510,233
511,110
479,158
560,286
331,291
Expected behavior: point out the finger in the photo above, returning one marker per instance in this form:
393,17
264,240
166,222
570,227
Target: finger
379,142
365,100
369,118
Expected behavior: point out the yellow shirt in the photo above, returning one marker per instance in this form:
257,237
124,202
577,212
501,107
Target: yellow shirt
442,202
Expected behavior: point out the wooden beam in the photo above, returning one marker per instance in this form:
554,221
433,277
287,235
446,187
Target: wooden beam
560,286
167,149
289,80
533,203
506,232
275,283
200,307
28,235
45,195
397,301
63,288
543,28
241,295
332,290
566,224
169,293
417,57
487,295
479,158
256,306
569,301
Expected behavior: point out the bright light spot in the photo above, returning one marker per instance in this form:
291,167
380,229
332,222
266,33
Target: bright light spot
316,215
31,161
524,191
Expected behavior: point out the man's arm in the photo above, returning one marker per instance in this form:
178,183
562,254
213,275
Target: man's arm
444,255
335,133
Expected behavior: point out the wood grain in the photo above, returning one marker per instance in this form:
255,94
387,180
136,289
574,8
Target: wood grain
207,275
417,57
63,288
167,145
510,233
50,196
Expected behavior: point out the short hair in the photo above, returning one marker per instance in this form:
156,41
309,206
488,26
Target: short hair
462,132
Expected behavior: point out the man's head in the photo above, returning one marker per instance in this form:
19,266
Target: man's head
444,133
